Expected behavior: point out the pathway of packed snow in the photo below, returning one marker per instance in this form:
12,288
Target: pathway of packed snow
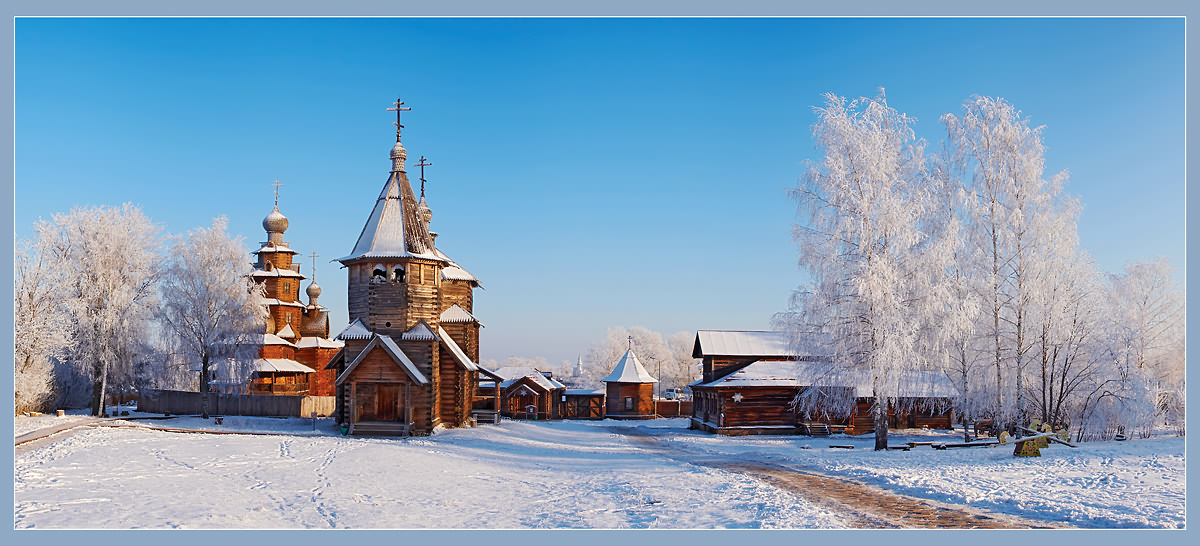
515,475
1129,484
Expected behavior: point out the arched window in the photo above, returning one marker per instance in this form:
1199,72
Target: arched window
399,273
378,273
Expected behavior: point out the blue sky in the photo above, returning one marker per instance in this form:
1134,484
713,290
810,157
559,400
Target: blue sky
592,172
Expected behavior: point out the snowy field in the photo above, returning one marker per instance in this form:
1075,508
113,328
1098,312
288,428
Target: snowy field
569,474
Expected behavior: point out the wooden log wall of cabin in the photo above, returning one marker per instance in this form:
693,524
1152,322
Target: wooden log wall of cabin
356,291
424,354
767,406
719,366
466,335
387,308
642,394
453,393
457,292
424,299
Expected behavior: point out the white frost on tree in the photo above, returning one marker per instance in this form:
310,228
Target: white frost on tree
111,260
212,305
865,252
41,325
667,358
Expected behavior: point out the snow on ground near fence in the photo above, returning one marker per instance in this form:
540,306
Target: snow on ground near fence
1130,484
514,475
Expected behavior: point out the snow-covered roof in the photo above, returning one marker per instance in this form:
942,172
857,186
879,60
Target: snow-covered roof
748,343
512,374
457,314
287,332
394,351
792,373
269,247
419,332
584,392
391,231
456,351
274,301
272,339
280,365
629,370
356,330
277,272
318,342
455,272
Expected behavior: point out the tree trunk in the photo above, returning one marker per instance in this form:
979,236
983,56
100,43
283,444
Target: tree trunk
881,424
98,386
204,386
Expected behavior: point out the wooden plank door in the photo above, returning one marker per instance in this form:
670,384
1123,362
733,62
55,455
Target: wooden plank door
386,402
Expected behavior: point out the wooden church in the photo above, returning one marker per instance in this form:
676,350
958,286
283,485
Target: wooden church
409,363
296,345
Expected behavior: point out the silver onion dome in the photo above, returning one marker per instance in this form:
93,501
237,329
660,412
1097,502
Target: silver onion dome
313,291
275,222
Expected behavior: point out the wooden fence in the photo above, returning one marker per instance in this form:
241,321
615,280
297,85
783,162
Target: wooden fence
187,403
673,408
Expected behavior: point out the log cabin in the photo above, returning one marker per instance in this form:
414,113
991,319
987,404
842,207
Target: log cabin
751,378
529,393
629,389
409,361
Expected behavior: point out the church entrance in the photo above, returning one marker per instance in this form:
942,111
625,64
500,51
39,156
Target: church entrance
379,401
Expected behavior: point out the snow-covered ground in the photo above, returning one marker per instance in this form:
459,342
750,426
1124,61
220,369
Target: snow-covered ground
515,475
569,474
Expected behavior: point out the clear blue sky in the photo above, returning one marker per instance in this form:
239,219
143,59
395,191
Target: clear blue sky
592,172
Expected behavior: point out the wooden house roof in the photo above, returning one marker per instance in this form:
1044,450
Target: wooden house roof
629,370
393,351
742,343
419,332
914,383
272,339
280,365
456,313
512,374
318,342
356,330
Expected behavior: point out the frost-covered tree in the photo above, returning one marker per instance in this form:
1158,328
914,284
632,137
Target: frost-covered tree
863,247
667,358
1002,157
211,303
111,259
41,324
1147,327
955,302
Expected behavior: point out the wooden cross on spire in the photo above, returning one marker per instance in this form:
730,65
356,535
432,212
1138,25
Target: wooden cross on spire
398,107
314,265
630,343
422,165
276,184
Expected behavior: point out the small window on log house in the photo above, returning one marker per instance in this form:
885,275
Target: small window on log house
399,274
289,317
378,274
628,403
267,266
287,287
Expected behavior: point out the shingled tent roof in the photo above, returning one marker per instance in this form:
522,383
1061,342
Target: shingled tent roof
394,229
629,370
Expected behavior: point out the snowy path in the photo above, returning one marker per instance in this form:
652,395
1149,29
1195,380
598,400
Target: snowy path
516,475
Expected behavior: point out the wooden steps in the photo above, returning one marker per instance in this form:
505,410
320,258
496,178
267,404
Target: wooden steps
380,428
